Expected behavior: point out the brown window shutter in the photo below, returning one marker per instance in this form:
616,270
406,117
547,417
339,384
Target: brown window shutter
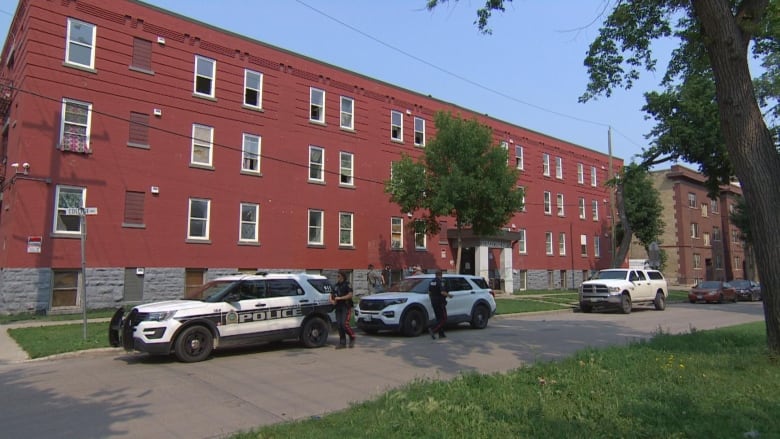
139,129
142,54
134,207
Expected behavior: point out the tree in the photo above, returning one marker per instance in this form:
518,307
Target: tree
740,217
716,37
461,174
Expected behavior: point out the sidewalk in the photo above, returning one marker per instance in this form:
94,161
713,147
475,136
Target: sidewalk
11,352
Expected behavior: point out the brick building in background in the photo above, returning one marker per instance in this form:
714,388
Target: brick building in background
200,152
700,241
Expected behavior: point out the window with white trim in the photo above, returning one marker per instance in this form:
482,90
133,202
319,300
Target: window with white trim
714,206
559,168
560,205
80,49
69,197
706,238
396,126
580,173
316,164
597,246
583,245
198,225
548,243
316,224
521,242
347,117
696,261
562,244
704,207
420,238
202,145
547,203
593,178
546,164
396,233
694,230
250,153
692,200
346,169
519,157
345,228
581,204
75,126
522,199
253,89
419,131
205,76
594,208
316,105
248,226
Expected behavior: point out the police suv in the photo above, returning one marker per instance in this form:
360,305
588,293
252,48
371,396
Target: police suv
229,311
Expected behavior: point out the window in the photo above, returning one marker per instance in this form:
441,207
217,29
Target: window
522,279
547,203
142,55
548,243
199,219
584,245
562,244
346,169
194,278
205,73
443,232
69,197
704,210
716,233
692,200
560,205
519,157
593,178
250,153
347,113
249,221
714,206
202,141
522,198
315,227
581,203
522,247
706,237
580,173
546,165
345,228
559,168
396,126
735,236
134,209
75,126
396,233
253,89
80,50
419,235
696,261
419,131
139,130
597,246
316,105
316,164
694,230
737,263
594,207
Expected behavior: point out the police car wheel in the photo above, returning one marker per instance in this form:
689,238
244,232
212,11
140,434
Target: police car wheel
480,317
413,323
194,344
314,333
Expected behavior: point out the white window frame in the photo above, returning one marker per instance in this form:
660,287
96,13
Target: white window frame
597,246
347,113
547,203
706,239
594,208
583,245
419,129
316,104
562,243
692,200
546,164
399,126
251,88
582,207
346,170
211,76
205,220
548,244
318,237
420,240
60,226
580,173
593,176
522,244
318,166
396,233
522,188
695,230
559,168
559,200
204,144
79,42
346,229
64,123
250,153
248,223
519,157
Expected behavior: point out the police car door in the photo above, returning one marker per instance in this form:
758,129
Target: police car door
460,300
240,315
285,305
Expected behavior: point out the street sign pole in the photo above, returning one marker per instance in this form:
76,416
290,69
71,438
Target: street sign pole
83,218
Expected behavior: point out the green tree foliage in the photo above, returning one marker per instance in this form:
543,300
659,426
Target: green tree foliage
461,174
641,203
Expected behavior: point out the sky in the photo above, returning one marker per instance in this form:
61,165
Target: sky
529,72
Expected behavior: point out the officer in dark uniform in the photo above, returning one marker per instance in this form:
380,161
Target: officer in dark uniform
438,295
342,298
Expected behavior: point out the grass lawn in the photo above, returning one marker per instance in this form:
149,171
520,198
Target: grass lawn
43,341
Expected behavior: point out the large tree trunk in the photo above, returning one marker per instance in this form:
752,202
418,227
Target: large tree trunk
628,232
749,142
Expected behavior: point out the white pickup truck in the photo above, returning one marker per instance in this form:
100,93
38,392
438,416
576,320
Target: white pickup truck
622,288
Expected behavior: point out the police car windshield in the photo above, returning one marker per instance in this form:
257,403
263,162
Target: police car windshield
412,285
211,292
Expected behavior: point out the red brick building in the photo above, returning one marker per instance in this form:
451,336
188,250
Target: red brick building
195,152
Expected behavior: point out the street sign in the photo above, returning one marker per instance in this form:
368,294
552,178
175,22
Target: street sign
90,211
75,211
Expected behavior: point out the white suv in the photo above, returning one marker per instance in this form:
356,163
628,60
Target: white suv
407,308
229,311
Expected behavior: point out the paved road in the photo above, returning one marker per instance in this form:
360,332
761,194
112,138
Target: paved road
110,393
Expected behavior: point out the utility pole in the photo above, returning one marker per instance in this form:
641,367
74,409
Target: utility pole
611,198
82,213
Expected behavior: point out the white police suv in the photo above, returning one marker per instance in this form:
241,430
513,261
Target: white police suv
407,308
229,311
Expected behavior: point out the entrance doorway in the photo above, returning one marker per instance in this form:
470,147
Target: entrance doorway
467,265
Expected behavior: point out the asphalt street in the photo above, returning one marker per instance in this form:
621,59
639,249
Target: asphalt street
111,393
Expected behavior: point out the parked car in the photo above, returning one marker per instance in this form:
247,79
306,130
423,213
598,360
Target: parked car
747,289
712,291
407,309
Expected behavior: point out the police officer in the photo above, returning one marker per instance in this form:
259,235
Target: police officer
342,298
438,296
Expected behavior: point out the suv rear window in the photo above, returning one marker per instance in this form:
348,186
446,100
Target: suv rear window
321,285
481,282
655,275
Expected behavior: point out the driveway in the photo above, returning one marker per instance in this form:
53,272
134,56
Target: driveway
110,393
